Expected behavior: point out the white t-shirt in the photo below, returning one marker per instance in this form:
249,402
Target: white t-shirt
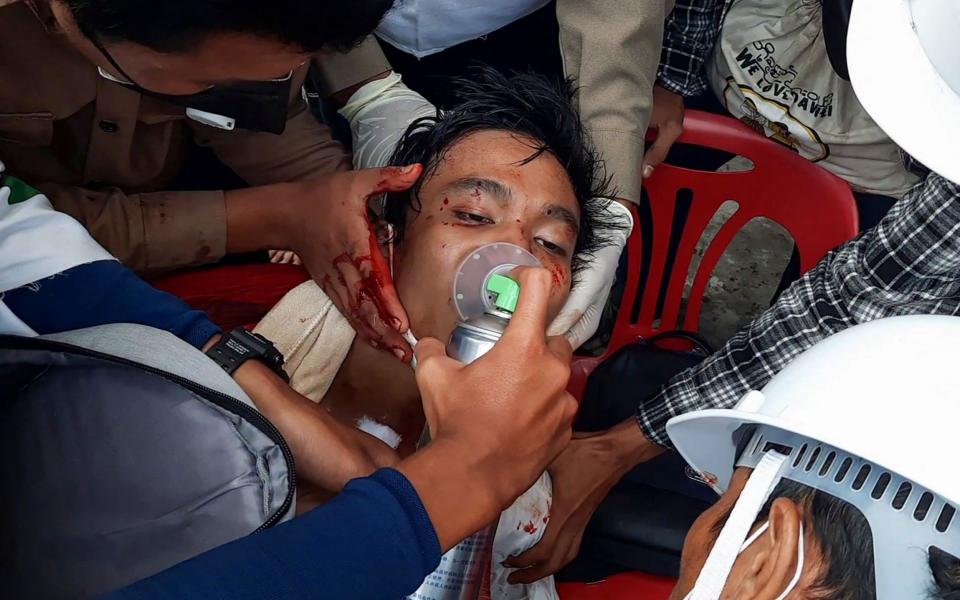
36,242
425,27
771,69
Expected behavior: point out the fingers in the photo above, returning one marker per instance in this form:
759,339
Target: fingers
385,293
535,564
560,347
392,179
667,134
432,363
534,573
531,556
399,347
429,348
567,318
529,321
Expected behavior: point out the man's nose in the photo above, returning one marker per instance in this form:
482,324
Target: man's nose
520,235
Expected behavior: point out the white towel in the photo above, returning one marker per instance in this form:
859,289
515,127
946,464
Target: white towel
312,335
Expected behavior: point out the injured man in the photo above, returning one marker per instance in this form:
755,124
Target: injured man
511,164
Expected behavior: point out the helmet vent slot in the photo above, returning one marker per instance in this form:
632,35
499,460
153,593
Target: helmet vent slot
923,506
813,459
946,517
882,482
843,470
825,468
799,458
861,477
903,493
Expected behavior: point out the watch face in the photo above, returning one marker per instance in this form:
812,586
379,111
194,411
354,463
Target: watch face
251,340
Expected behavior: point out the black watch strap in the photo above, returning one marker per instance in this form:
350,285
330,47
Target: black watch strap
240,345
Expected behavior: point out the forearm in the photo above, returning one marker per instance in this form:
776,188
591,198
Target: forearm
255,217
372,541
104,292
442,473
612,47
148,232
327,453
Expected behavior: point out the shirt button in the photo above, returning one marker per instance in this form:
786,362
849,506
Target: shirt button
109,126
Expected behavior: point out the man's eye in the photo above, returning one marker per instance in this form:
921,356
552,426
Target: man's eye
551,247
473,218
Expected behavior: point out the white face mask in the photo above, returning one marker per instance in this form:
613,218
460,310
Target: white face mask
733,539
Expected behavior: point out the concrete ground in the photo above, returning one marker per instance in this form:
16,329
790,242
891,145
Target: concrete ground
748,272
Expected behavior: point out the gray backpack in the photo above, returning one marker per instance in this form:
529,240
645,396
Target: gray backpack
114,470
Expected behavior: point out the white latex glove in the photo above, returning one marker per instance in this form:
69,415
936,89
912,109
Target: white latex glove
379,113
580,316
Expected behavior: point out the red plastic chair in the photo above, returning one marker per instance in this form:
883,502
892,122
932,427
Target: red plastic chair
624,586
233,295
813,205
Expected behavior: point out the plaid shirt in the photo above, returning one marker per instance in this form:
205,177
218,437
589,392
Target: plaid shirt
908,264
689,35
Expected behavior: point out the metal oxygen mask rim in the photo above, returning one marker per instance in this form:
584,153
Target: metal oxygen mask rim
471,296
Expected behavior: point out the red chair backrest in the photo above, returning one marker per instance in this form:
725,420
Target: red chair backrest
813,205
233,295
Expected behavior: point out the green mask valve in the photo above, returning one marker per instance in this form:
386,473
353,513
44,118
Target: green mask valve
507,291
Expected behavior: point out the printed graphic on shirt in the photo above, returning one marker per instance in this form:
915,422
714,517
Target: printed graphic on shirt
774,120
771,69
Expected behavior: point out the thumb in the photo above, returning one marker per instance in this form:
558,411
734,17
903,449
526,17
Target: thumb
529,320
565,321
667,134
393,179
429,349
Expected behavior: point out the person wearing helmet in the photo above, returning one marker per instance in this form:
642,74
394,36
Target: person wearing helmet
814,508
906,75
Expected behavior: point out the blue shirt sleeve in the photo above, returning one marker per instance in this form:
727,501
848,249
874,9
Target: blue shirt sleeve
104,292
374,540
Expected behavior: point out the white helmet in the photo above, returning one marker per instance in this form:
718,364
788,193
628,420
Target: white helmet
904,65
869,416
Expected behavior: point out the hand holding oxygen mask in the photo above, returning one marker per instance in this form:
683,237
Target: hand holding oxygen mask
501,419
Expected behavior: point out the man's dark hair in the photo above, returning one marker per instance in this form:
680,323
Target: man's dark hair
525,104
178,25
946,575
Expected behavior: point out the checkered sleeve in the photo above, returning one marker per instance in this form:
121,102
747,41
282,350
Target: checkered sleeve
908,264
689,35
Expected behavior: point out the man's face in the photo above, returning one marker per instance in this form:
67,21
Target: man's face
763,569
481,193
703,533
219,59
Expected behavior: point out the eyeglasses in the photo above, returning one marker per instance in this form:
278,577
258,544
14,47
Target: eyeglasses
127,81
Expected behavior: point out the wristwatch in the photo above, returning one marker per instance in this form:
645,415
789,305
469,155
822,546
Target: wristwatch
240,345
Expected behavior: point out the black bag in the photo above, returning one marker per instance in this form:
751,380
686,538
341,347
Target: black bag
115,471
643,521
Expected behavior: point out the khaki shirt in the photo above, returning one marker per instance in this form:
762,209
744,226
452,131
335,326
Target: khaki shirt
612,49
104,154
